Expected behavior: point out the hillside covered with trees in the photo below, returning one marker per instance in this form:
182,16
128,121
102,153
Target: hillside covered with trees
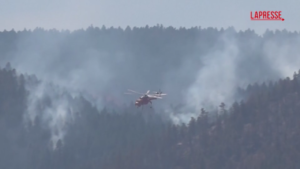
107,61
260,132
43,124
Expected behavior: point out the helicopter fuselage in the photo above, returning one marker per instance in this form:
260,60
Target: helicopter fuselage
144,100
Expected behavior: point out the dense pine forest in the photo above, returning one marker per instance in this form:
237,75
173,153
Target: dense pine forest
62,103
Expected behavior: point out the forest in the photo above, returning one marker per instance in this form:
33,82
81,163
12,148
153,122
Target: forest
62,103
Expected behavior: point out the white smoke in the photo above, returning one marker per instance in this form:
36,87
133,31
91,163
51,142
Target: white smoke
284,55
216,81
225,68
53,106
202,79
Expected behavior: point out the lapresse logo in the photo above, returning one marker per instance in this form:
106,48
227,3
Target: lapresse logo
266,16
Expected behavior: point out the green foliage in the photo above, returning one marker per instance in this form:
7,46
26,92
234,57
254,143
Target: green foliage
260,132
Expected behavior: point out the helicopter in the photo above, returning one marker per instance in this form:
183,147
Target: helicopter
146,97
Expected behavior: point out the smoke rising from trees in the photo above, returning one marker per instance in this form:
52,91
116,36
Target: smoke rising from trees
66,88
199,68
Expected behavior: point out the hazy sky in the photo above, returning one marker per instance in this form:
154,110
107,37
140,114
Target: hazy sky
67,14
